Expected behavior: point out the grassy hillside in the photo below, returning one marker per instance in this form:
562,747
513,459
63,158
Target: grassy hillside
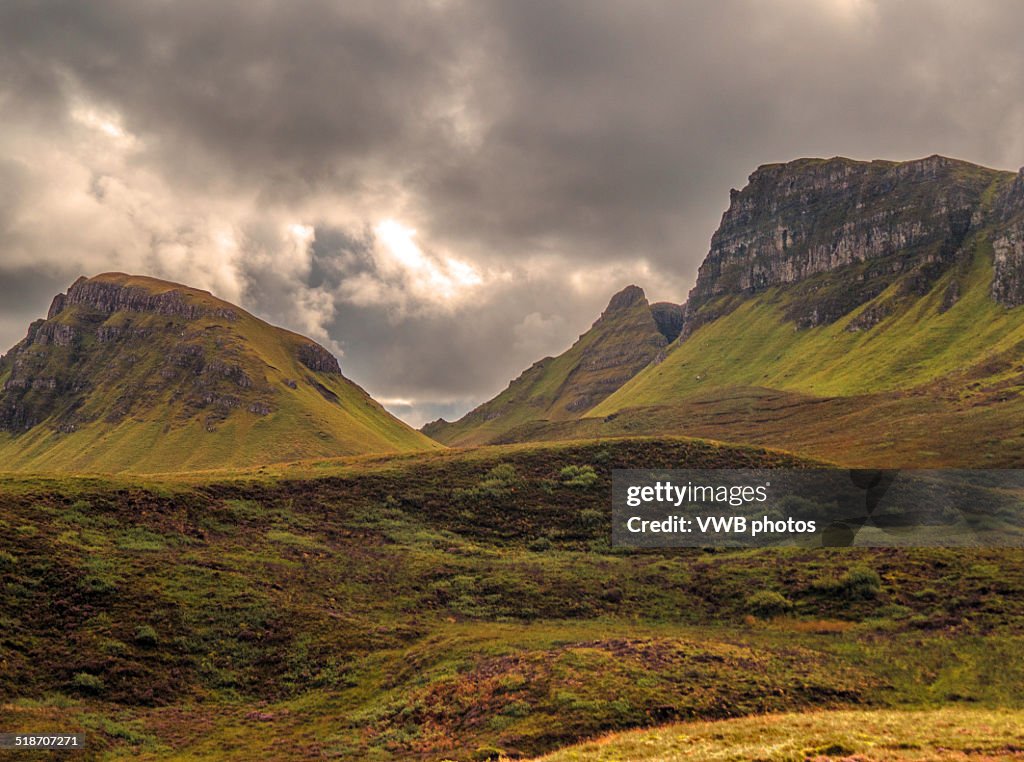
863,735
620,343
927,427
189,383
455,605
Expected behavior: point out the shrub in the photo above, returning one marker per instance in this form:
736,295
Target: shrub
7,559
539,545
87,683
766,603
591,518
578,476
146,636
861,582
503,474
499,482
485,753
96,583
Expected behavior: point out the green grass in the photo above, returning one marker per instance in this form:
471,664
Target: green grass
910,391
871,735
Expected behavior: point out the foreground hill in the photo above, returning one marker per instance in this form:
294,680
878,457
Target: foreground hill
451,604
863,735
862,312
629,334
129,373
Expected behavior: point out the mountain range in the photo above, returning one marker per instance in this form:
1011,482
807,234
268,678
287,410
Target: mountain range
864,313
868,313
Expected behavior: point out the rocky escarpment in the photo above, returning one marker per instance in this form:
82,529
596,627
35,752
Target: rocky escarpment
318,359
1008,247
876,222
109,297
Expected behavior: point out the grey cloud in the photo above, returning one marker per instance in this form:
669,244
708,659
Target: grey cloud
557,149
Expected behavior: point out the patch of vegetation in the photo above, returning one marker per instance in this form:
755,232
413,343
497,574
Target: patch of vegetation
579,476
88,683
768,603
859,583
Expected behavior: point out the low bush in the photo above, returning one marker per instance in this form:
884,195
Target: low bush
578,476
768,603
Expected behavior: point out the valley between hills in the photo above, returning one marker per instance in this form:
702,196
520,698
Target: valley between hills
216,546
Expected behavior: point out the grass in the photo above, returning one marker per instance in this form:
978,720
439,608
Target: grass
909,392
864,735
425,606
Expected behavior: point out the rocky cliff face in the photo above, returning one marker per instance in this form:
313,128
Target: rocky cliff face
108,297
318,359
1008,246
669,319
875,221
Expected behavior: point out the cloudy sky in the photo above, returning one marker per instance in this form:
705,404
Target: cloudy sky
443,192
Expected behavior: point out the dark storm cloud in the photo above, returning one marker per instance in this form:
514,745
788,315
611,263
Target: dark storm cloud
546,153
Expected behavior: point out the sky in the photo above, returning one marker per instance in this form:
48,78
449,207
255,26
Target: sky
443,192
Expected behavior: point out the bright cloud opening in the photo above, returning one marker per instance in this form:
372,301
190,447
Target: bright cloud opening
106,123
425,276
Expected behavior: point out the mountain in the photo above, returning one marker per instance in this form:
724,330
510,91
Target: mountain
863,312
629,334
129,373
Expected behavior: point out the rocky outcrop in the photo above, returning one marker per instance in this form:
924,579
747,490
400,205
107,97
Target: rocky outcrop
625,299
1008,261
669,319
318,359
876,222
90,340
108,298
59,334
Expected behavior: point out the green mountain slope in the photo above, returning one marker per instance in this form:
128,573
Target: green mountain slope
917,343
923,387
136,374
629,334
